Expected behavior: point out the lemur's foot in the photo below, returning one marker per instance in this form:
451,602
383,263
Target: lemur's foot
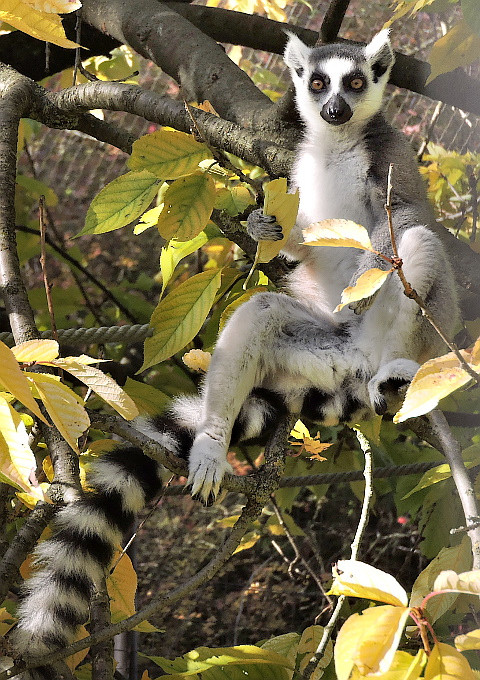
387,388
263,227
207,467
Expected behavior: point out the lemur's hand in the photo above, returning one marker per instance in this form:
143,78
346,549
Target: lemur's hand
387,388
362,305
263,227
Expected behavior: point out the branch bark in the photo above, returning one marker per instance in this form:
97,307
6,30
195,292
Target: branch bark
196,61
453,453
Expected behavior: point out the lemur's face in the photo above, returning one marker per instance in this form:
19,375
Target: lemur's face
339,83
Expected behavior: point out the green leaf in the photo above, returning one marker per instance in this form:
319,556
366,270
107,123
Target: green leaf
175,251
234,199
148,399
203,659
168,154
458,47
458,558
178,318
471,14
188,204
120,202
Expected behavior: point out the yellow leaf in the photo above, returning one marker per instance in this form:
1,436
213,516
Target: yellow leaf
299,431
308,645
167,154
358,579
103,385
14,381
404,667
73,661
16,458
120,202
337,234
424,393
457,557
470,640
63,406
197,360
445,663
468,582
475,358
234,199
47,27
248,541
55,6
36,350
458,47
37,493
187,206
369,640
179,316
284,207
121,588
471,458
367,284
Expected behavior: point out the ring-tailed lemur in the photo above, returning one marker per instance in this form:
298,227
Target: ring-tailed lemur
280,352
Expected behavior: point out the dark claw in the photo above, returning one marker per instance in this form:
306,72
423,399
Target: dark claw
392,385
381,406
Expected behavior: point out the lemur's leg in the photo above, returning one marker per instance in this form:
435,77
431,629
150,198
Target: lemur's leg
262,338
394,327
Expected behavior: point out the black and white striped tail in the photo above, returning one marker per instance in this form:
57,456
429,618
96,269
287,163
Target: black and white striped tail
85,534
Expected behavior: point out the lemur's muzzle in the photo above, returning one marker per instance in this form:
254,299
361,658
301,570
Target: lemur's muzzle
336,111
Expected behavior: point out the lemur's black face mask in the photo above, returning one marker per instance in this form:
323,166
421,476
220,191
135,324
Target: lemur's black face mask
336,111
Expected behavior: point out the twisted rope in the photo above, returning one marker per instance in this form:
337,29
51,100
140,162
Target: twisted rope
93,336
338,477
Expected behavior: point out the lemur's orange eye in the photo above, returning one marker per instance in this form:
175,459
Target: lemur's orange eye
317,84
357,83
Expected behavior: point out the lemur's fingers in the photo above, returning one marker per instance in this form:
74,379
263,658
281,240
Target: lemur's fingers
361,306
387,388
263,227
207,465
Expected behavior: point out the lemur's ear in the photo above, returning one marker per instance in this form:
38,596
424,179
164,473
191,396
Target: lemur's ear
379,54
296,53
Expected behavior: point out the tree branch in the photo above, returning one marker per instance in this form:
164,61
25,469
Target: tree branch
196,61
453,453
253,147
333,20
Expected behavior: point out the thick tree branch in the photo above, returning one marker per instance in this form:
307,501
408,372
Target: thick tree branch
333,20
253,147
196,61
27,54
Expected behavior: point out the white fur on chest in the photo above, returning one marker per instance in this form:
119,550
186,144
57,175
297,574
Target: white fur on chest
331,176
332,180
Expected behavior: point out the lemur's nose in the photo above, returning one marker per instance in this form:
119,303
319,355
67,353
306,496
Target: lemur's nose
336,111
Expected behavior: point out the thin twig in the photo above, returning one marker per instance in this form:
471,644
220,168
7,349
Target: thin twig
43,262
249,514
298,555
362,523
472,181
367,495
155,507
